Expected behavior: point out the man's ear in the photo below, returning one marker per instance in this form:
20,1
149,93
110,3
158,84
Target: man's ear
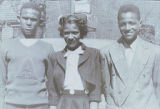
18,19
140,25
140,21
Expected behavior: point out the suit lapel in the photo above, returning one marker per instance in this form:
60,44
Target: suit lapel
139,61
119,60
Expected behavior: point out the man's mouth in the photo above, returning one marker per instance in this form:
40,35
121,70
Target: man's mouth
70,42
28,29
128,33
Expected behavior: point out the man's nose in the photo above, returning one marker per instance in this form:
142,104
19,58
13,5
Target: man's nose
29,22
70,36
127,27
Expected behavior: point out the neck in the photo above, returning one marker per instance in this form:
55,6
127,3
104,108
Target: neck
29,36
72,49
28,42
127,43
22,35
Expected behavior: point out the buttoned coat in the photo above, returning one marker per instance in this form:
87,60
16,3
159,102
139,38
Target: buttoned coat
129,87
89,70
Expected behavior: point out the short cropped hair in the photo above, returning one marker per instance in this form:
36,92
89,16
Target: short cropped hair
30,5
129,8
80,23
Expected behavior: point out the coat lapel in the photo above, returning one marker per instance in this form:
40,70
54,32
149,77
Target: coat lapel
83,57
86,70
61,59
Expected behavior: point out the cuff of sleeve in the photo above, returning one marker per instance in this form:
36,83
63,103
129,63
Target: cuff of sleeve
95,98
53,101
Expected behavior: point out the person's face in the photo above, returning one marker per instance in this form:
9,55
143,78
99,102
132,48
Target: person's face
129,25
71,35
29,20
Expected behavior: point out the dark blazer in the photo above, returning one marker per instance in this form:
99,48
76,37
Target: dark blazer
129,87
88,67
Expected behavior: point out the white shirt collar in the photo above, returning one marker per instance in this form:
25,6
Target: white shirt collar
79,50
134,44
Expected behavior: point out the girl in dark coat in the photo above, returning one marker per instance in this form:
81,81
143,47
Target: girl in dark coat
75,81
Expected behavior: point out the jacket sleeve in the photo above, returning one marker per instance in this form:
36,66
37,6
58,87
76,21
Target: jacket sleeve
3,75
95,94
53,95
156,74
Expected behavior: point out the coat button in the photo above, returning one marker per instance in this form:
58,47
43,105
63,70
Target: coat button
86,91
113,74
72,91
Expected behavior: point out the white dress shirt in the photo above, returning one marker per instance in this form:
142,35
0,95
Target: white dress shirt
72,77
130,51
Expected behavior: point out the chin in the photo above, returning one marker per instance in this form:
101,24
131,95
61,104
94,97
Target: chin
28,36
72,47
129,38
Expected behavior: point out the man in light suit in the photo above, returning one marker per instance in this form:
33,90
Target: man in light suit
128,66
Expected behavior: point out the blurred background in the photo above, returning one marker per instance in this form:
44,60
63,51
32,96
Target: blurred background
100,14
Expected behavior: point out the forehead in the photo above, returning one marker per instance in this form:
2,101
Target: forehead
128,16
71,27
29,12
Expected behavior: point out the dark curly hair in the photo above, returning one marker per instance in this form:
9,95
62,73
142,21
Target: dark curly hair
81,24
30,5
129,8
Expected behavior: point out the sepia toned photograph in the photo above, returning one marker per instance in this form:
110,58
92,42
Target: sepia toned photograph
79,54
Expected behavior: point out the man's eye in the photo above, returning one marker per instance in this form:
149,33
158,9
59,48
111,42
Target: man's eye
34,19
25,18
75,33
122,24
66,33
132,23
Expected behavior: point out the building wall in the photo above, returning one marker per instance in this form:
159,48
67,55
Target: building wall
102,16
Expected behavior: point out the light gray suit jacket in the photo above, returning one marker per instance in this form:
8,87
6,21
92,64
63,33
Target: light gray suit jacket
129,87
